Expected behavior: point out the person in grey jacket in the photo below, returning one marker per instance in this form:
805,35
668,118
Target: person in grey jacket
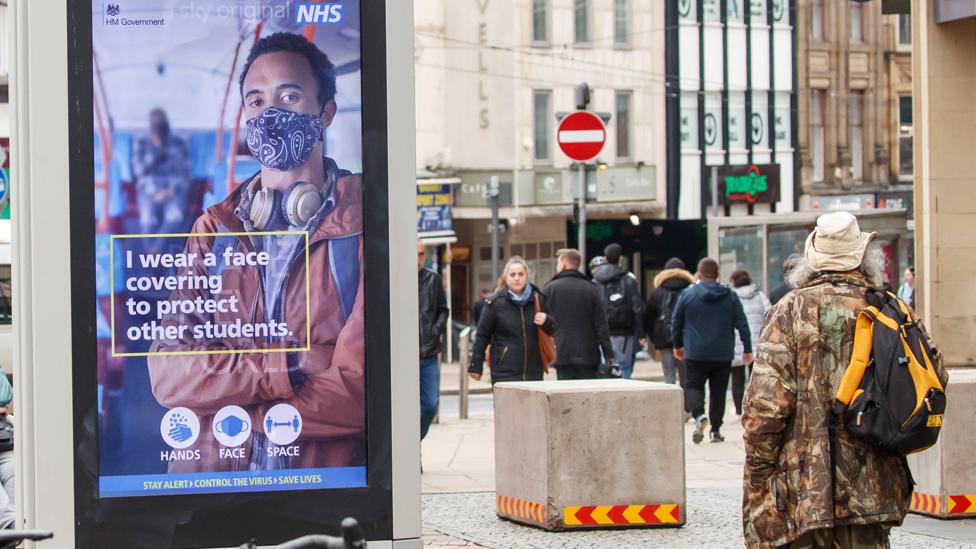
754,304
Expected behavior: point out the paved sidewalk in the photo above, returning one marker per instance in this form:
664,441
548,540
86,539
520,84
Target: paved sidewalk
459,482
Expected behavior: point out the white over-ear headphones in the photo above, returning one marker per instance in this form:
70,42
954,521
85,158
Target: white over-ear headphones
296,205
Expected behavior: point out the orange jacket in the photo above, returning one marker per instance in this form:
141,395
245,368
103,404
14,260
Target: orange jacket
332,398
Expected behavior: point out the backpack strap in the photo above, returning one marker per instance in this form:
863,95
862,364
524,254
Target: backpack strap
860,357
344,264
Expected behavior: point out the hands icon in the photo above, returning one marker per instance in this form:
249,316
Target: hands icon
180,432
179,428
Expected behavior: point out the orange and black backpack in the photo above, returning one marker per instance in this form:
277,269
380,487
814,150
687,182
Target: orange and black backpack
891,395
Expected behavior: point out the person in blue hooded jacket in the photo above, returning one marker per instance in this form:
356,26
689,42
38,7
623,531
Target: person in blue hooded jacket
703,327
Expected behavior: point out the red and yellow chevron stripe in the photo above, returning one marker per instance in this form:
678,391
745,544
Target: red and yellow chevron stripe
962,505
620,515
926,503
520,509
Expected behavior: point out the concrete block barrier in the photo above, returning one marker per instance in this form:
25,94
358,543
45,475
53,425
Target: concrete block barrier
605,453
945,474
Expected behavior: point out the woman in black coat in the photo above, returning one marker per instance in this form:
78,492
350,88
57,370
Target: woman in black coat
509,325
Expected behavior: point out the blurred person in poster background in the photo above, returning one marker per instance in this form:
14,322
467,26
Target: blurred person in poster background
162,169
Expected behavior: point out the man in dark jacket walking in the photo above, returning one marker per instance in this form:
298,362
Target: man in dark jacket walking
668,285
624,307
578,305
433,319
703,326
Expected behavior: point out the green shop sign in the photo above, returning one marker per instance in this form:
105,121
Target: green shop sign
748,184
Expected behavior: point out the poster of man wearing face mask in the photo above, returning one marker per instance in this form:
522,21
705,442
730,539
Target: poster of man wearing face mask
229,246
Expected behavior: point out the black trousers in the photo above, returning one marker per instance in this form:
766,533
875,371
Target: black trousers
716,374
575,371
739,376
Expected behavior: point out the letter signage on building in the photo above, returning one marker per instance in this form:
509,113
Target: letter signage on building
748,184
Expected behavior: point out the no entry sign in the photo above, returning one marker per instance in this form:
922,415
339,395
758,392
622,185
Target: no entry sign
581,135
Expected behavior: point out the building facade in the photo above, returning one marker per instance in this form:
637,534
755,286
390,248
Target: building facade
855,112
493,76
731,124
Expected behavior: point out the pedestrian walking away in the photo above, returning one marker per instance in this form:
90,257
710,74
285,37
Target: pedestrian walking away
704,323
508,325
754,304
624,308
797,492
433,320
668,285
582,331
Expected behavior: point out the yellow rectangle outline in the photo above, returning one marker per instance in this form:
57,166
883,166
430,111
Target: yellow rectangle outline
308,299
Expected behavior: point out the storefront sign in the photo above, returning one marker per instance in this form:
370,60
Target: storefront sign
470,192
846,202
550,188
897,200
748,184
626,184
433,208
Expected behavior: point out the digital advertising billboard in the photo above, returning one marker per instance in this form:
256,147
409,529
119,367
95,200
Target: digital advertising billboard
230,249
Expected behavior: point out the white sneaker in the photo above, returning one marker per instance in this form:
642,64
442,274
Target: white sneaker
701,424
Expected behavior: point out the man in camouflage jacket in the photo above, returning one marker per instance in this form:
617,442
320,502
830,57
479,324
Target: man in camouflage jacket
789,496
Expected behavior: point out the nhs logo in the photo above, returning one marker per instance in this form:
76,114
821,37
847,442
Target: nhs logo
316,13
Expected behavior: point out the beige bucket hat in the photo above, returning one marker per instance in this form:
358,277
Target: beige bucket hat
837,244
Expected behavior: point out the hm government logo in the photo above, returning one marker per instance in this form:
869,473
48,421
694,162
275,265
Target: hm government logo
112,19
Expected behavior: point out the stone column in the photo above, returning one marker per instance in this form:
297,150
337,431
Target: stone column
945,179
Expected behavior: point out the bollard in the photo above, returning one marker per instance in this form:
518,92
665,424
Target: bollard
465,346
945,474
566,454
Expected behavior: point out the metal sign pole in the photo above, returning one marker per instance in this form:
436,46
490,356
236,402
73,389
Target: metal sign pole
493,193
582,216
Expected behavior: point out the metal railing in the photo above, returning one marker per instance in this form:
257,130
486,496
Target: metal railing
465,348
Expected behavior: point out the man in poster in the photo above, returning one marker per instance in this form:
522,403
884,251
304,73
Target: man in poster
288,87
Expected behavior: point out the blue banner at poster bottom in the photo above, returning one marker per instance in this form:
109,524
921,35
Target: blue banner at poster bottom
232,481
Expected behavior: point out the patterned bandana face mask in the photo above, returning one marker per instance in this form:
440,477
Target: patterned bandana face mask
283,140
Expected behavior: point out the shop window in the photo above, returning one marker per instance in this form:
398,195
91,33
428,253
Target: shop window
741,248
781,245
517,250
545,250
531,251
